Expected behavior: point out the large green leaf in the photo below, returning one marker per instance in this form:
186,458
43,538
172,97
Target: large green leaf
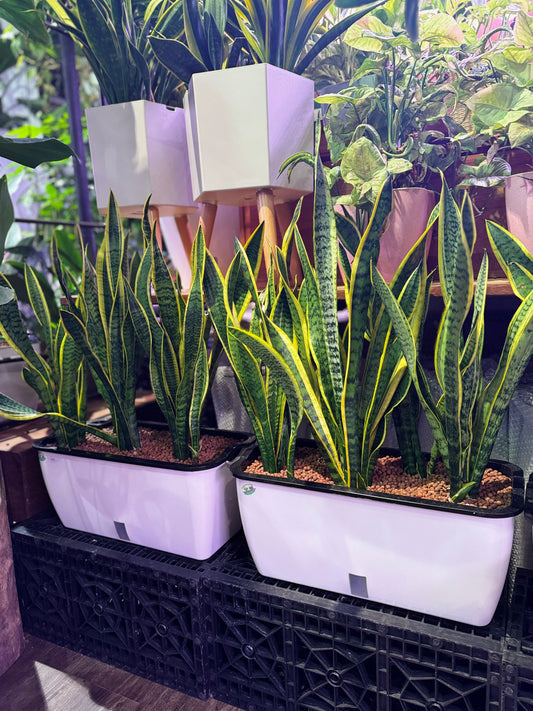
26,18
31,152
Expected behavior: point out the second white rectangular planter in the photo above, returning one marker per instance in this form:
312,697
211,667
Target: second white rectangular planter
139,148
439,559
186,510
242,124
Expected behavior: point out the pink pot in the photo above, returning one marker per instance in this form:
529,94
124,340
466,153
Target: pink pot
519,207
407,221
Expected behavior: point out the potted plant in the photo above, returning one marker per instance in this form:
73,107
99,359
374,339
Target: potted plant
182,500
414,561
243,122
500,109
137,138
392,120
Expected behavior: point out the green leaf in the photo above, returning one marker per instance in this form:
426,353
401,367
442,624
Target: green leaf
31,152
7,214
23,15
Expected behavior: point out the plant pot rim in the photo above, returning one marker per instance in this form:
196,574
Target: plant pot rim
47,444
514,472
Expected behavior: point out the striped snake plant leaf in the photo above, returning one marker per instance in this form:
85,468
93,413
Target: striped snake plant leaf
326,257
154,342
313,405
516,354
285,376
170,311
513,257
450,247
39,306
16,411
457,299
192,342
384,383
468,221
14,332
471,370
75,327
318,335
358,298
199,393
252,390
288,238
408,342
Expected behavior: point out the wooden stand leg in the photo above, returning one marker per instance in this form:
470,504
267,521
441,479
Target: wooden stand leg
153,214
182,224
207,220
267,214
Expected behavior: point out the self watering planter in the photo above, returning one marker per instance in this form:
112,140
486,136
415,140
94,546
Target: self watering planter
182,509
441,559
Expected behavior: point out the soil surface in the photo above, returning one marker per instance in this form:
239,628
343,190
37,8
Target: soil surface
495,490
157,444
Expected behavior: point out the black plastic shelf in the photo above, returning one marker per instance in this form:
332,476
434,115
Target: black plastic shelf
327,652
129,606
219,628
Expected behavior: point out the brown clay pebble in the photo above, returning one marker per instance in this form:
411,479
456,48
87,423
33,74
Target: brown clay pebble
495,490
157,445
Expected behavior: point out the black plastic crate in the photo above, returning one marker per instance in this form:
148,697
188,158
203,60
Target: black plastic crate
129,606
246,639
341,652
43,591
520,627
517,683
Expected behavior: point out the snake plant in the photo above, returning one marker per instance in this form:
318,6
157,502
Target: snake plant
100,323
175,338
268,404
346,389
59,380
466,418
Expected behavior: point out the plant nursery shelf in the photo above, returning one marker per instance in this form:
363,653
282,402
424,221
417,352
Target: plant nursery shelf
495,287
218,628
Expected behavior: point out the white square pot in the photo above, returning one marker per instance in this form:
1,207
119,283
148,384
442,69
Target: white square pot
186,510
138,149
242,124
438,559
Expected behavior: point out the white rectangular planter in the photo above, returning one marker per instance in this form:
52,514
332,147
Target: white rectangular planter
439,559
139,148
186,510
242,124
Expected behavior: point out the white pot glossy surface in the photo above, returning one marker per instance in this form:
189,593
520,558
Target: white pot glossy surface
242,124
186,512
139,148
435,562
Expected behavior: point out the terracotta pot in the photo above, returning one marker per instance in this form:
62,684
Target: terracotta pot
519,207
407,221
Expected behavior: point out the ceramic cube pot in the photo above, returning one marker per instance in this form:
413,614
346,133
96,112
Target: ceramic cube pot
242,124
138,149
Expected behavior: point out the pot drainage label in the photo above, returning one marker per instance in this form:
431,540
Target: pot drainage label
120,528
248,489
358,585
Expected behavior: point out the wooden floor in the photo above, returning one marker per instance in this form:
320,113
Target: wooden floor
51,678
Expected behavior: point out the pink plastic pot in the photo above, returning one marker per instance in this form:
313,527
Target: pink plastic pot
519,207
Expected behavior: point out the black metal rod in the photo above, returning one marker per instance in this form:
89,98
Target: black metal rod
72,95
65,223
